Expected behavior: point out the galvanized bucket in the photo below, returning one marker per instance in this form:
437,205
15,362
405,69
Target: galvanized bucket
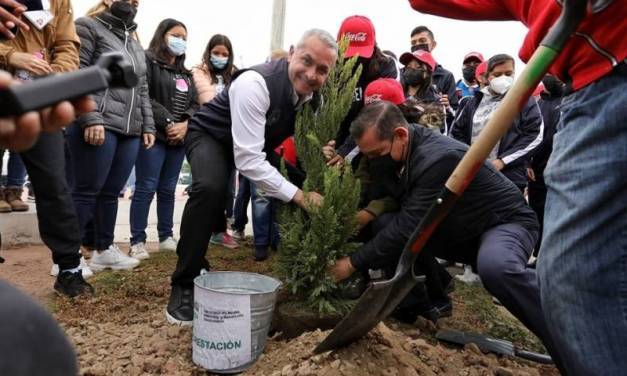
232,316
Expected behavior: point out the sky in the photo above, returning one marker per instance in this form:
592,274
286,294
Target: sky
248,22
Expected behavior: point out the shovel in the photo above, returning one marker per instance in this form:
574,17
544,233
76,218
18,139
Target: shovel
489,344
380,298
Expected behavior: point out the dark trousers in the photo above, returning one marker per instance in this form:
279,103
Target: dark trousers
157,170
537,199
16,171
240,215
100,172
56,215
212,164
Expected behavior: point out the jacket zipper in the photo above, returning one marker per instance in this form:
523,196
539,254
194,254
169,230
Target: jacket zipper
595,46
128,123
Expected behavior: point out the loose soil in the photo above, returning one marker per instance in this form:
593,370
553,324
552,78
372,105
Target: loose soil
122,330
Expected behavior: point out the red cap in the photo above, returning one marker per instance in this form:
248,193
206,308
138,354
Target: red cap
474,55
481,68
384,89
420,55
360,32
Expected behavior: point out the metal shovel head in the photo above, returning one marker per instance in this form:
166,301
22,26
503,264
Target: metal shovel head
374,305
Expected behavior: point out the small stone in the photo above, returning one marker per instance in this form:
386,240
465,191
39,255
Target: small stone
390,372
335,364
173,331
502,371
137,361
153,365
156,324
287,370
276,373
472,347
317,359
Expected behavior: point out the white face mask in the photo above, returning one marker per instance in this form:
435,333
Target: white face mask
501,84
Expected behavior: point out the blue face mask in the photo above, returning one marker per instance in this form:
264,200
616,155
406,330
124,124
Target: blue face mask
177,46
219,62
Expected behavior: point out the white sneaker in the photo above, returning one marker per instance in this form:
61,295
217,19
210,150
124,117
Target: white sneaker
169,244
112,258
469,276
138,251
238,235
86,271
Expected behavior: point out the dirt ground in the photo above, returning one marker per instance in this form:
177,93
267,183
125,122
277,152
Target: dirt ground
122,330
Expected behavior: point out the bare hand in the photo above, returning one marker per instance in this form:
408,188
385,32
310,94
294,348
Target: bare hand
176,133
338,160
95,135
148,140
329,150
363,218
308,200
29,62
342,269
444,101
20,133
8,19
498,164
531,174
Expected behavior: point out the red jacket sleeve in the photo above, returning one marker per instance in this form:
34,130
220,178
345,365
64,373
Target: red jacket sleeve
471,10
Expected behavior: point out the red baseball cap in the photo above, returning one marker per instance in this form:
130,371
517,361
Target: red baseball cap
360,32
481,68
474,55
420,55
384,89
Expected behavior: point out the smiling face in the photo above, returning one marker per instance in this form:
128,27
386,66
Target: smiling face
309,65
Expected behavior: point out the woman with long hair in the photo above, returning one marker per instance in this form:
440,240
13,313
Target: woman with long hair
173,99
104,143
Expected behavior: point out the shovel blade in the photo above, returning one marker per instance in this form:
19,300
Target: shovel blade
374,305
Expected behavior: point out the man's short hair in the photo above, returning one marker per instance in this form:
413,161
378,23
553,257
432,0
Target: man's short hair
382,115
422,29
498,60
324,36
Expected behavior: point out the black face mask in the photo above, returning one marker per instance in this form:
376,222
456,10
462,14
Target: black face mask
554,86
125,11
469,73
421,46
416,77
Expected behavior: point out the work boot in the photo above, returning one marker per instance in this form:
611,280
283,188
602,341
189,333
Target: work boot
13,195
4,205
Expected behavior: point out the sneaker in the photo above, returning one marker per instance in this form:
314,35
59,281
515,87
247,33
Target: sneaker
138,251
224,239
168,245
180,309
72,285
469,276
238,235
85,270
112,258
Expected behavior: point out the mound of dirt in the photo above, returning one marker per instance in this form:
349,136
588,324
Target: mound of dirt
384,352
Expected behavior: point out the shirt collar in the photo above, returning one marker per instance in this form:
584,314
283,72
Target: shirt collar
299,101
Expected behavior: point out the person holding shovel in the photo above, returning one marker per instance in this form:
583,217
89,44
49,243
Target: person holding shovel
239,128
581,266
490,226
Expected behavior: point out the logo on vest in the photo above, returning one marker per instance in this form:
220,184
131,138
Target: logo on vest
356,37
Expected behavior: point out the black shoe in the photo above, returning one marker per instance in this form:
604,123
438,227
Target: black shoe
72,284
430,311
180,308
261,253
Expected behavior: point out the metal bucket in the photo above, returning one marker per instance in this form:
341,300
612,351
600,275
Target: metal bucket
232,316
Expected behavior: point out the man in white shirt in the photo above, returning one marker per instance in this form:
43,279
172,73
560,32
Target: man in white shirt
240,128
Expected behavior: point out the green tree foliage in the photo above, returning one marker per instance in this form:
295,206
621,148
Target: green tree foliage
311,241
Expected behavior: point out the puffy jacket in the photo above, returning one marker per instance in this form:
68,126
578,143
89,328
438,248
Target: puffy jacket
516,146
490,200
161,78
121,110
597,47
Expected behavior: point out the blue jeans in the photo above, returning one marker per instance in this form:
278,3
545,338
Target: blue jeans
265,228
157,170
240,208
100,172
16,171
582,264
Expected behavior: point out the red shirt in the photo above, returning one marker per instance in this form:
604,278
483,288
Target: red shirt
599,44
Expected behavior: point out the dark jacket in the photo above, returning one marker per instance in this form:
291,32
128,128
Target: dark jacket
549,108
125,111
445,82
343,139
516,146
490,200
161,78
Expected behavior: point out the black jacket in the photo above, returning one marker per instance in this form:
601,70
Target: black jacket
125,111
490,200
515,148
444,81
549,108
161,79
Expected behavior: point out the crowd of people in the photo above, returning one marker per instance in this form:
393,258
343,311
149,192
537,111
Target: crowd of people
409,124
